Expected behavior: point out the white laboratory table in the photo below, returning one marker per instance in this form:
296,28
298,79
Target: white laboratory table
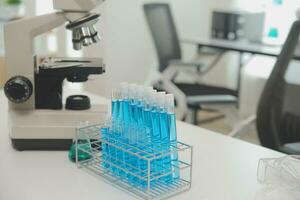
224,169
1,67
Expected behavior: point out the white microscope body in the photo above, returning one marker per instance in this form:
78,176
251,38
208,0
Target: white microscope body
38,118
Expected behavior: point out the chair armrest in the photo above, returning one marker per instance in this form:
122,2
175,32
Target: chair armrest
189,41
185,63
193,64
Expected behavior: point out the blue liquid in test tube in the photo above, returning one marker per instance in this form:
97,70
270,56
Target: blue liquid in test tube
165,143
115,109
105,147
140,114
155,140
173,136
115,104
134,111
126,111
147,124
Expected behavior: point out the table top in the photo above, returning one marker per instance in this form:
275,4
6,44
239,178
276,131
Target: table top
240,46
224,169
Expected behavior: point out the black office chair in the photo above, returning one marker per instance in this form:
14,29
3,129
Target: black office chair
168,49
278,115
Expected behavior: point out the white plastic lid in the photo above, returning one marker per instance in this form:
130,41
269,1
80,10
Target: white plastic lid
115,94
170,100
152,97
148,96
132,90
124,89
140,91
160,99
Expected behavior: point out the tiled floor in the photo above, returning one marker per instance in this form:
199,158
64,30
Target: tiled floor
221,126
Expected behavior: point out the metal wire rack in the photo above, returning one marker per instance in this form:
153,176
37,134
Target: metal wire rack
146,171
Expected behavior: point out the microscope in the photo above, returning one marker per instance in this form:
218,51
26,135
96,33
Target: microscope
38,117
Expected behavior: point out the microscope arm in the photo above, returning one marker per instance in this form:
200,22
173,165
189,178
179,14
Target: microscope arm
19,37
19,50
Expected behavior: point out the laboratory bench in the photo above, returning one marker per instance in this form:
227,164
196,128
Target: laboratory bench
223,169
241,47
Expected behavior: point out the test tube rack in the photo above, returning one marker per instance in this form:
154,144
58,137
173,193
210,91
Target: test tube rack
153,184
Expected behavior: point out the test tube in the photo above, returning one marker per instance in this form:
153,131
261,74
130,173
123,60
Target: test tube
134,103
170,106
105,147
164,137
115,103
125,102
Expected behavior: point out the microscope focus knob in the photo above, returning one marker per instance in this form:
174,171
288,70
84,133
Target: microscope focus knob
18,89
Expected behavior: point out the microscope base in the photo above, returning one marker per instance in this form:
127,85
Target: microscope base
50,129
41,144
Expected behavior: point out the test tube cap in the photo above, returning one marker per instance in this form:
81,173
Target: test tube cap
124,89
152,97
140,91
160,98
170,100
146,92
132,90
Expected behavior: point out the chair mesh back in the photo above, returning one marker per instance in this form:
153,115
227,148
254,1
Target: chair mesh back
278,123
164,33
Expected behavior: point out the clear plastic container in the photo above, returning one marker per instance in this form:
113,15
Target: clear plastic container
280,172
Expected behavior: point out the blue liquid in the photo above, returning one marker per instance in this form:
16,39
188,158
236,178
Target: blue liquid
164,128
155,140
133,160
124,116
126,111
134,111
121,109
112,154
145,141
165,143
148,121
115,109
154,116
105,156
173,140
160,135
119,154
140,114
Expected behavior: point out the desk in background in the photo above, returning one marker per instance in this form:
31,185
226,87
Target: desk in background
224,169
241,47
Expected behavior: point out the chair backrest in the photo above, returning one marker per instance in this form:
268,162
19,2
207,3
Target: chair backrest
163,30
278,123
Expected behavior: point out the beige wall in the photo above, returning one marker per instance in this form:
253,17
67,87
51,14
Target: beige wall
1,71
